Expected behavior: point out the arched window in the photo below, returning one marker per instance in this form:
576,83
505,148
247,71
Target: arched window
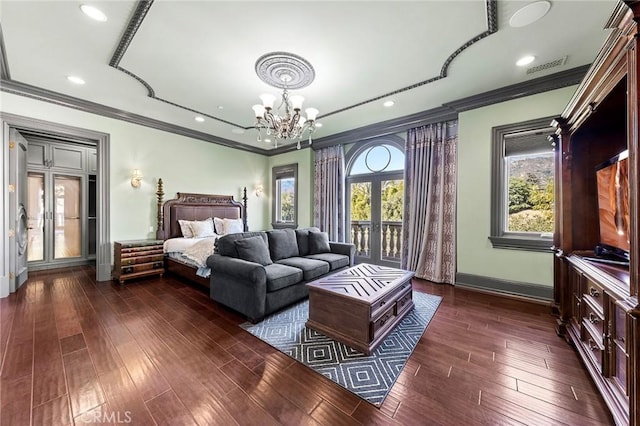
375,194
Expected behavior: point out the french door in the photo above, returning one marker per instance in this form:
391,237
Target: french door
375,215
54,217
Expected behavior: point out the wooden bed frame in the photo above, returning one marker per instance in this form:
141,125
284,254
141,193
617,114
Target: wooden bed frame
188,206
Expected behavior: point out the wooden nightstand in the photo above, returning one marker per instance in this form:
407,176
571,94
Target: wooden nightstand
137,258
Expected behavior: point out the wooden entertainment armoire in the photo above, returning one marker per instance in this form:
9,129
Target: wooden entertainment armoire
597,302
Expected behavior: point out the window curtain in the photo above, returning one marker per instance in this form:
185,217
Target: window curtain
429,231
328,197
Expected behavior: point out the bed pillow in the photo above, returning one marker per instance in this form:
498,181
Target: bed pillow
318,242
203,228
253,249
233,226
185,228
219,225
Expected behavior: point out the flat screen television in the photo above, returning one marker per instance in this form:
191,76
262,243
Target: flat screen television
613,207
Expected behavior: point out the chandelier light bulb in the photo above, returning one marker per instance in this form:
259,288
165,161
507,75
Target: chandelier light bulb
258,111
296,102
312,113
267,100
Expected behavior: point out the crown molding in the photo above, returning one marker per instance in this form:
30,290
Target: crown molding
33,92
449,111
546,83
388,127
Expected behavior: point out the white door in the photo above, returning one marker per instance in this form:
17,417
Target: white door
17,210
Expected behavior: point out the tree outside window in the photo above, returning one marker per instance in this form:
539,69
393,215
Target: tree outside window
522,196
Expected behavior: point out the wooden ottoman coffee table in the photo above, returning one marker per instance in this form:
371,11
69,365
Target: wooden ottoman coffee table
361,305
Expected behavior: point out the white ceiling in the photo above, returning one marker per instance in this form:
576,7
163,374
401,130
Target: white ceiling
199,56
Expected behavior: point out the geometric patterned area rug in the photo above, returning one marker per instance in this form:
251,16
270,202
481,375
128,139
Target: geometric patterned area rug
370,377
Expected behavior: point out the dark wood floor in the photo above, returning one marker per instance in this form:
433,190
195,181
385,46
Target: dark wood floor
158,351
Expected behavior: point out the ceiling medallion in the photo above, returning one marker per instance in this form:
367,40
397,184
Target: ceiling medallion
271,68
284,122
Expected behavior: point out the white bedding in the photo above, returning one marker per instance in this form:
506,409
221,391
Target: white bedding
179,245
195,249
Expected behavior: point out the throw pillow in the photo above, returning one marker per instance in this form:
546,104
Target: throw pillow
185,228
302,235
202,228
253,249
318,242
282,244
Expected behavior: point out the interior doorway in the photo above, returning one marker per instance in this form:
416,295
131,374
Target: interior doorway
375,190
61,190
11,122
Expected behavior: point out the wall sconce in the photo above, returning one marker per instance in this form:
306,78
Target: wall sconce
259,190
136,178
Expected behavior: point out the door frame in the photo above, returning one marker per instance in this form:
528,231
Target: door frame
376,180
102,141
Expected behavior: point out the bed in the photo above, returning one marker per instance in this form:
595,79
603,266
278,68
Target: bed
185,257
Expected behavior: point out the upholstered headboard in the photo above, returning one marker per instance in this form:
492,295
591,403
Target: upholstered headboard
188,206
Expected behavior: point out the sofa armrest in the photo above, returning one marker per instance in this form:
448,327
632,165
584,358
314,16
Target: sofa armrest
240,268
348,249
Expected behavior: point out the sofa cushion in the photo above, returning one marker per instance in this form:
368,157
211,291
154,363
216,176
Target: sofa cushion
318,242
335,261
226,245
280,276
311,268
282,244
302,236
253,249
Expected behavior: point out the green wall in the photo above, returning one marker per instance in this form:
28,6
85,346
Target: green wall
476,256
305,159
184,164
190,165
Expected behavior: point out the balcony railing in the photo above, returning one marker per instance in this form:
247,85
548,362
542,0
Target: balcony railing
390,238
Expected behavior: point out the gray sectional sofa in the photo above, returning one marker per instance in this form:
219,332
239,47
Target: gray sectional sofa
258,273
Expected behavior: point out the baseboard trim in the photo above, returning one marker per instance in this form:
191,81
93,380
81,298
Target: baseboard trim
529,291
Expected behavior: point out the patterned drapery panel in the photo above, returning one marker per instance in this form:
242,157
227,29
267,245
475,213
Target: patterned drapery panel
429,229
328,197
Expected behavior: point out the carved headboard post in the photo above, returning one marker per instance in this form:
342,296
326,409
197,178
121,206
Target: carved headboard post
244,207
160,227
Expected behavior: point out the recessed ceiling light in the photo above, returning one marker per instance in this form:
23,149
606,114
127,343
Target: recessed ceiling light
237,131
525,60
318,124
529,14
199,119
75,80
93,13
267,140
389,103
220,107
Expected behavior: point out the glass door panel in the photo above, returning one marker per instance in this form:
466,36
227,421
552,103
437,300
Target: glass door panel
361,218
67,217
35,217
391,208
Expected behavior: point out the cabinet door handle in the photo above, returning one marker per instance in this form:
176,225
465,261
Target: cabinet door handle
593,319
593,292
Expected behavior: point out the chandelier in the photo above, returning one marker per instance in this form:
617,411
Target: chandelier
284,123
